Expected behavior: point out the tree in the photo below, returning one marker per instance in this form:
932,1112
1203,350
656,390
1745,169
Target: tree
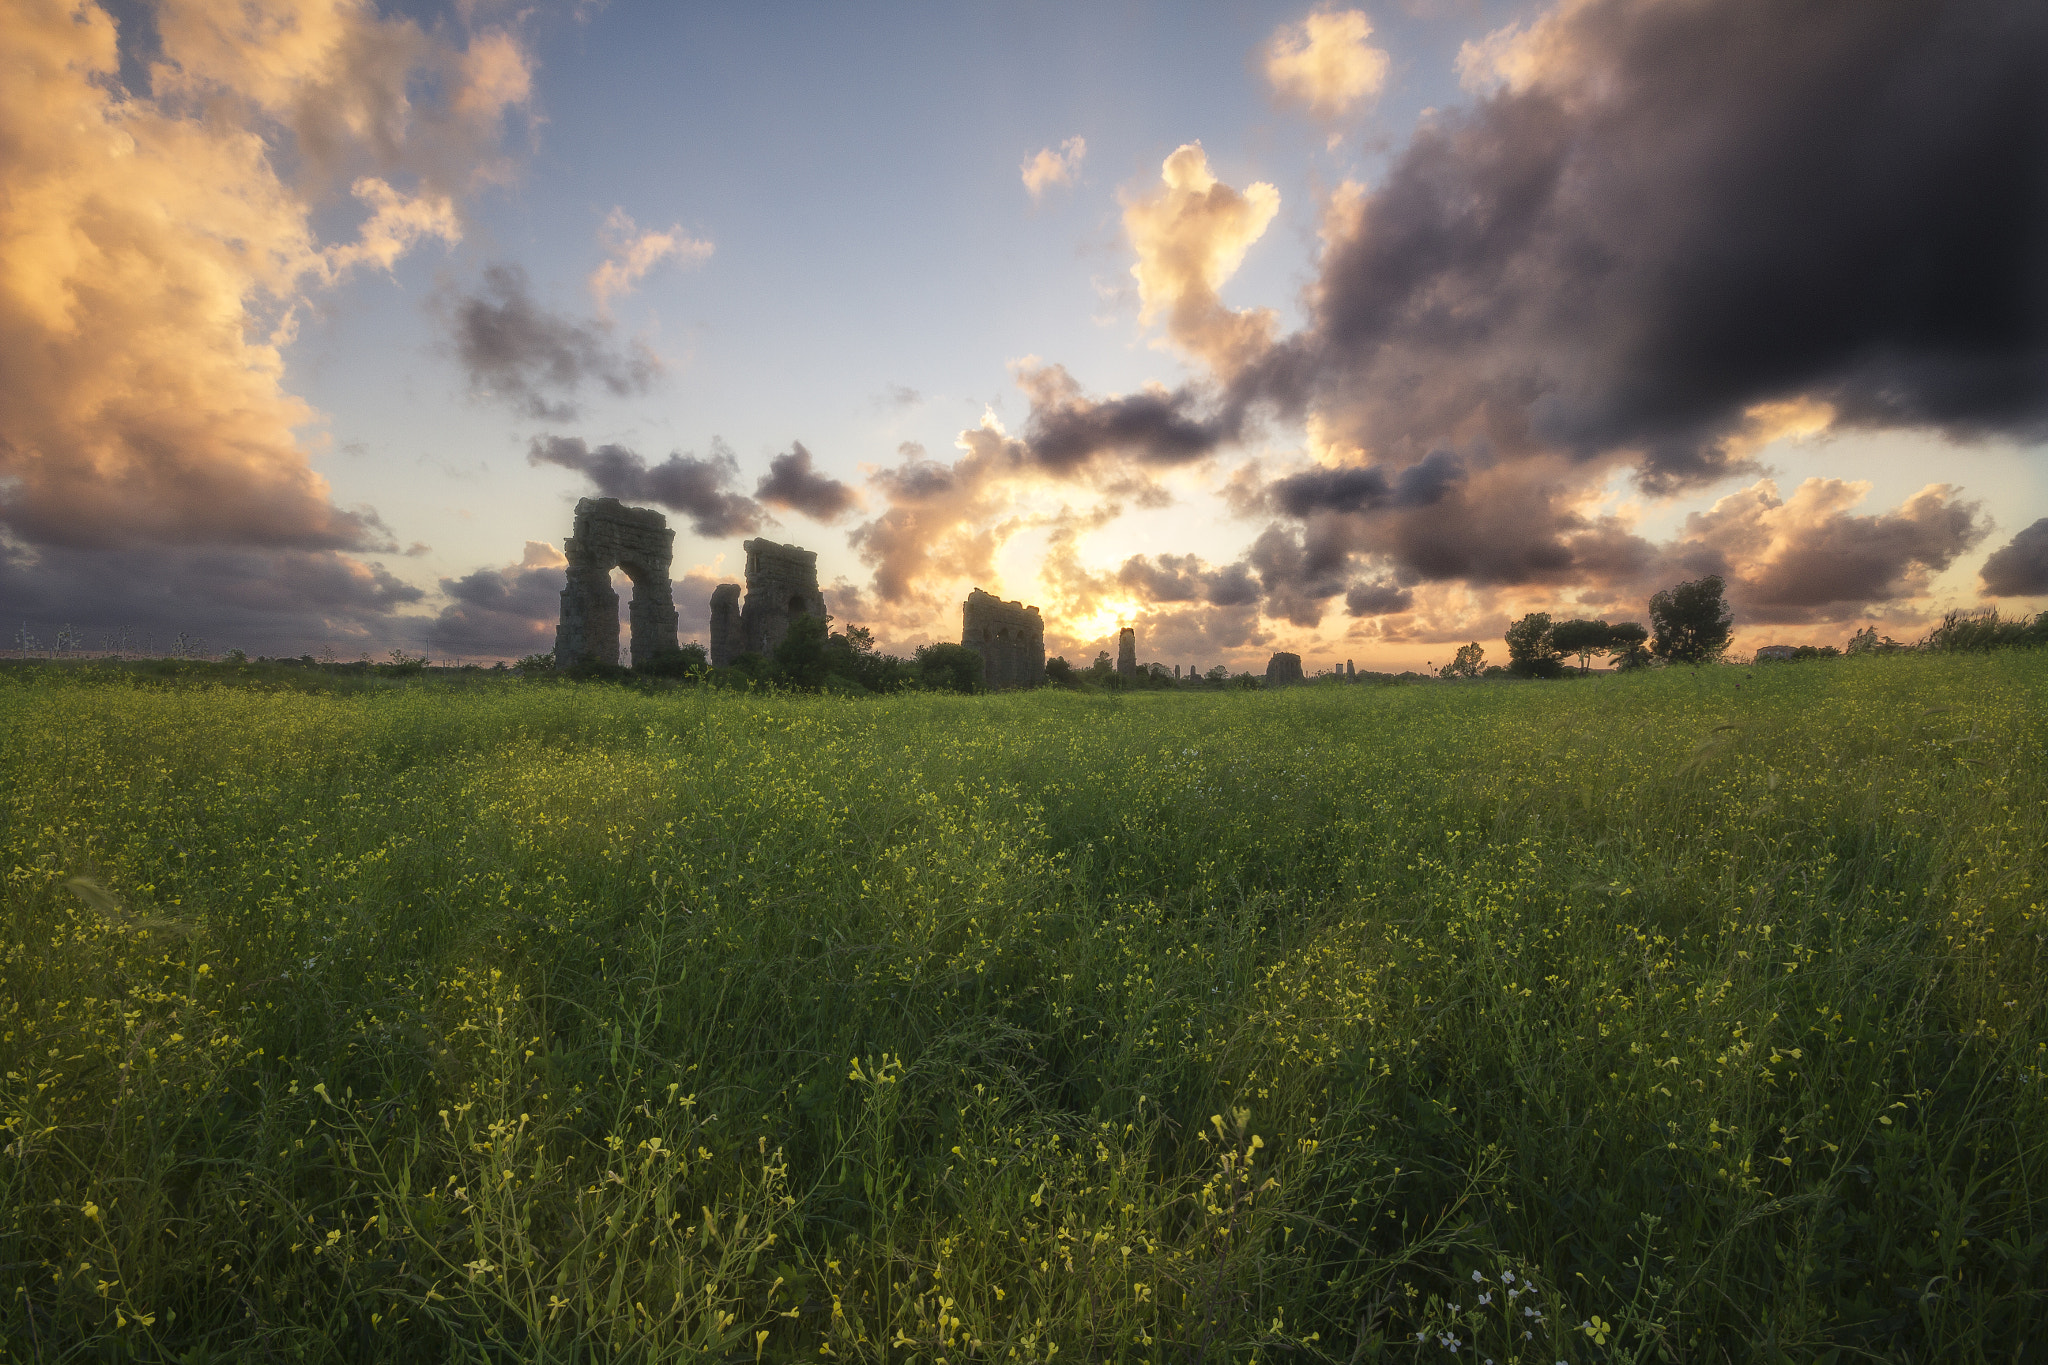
1691,623
1060,673
1530,651
1583,638
949,668
1471,658
1628,642
801,655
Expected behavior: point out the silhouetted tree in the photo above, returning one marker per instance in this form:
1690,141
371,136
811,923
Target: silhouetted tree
1470,659
1583,638
800,658
1530,652
1628,642
1060,673
1690,622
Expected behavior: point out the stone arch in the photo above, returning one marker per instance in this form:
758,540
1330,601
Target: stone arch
637,542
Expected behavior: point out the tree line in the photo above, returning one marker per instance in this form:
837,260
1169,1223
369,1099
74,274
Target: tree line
1690,623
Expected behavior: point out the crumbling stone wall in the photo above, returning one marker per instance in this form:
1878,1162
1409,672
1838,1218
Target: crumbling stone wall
782,584
1009,636
725,623
1282,669
1127,653
607,536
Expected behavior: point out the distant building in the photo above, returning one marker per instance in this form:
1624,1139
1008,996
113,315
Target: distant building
1127,653
1283,669
1776,654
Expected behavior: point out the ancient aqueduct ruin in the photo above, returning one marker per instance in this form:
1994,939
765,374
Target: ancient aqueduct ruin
782,584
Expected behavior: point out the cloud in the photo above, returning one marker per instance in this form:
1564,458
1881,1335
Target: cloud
260,599
2019,568
344,85
1186,578
630,253
1067,431
156,248
1377,599
791,483
505,613
1325,64
1050,167
1191,233
536,360
1807,557
682,483
1664,218
939,522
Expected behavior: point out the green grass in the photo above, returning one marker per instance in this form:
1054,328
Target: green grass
529,1021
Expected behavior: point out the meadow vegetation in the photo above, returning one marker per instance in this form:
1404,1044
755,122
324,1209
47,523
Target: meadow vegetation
1687,1015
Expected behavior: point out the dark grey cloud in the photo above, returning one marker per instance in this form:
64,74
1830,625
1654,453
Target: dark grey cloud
1067,430
536,360
792,483
1377,599
1364,488
2019,568
1185,578
263,601
499,613
1697,208
697,488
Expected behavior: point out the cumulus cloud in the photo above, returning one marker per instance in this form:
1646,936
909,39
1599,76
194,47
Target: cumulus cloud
1054,167
156,244
2019,568
1170,578
1663,219
697,488
505,613
1190,233
537,360
792,483
630,253
1325,63
1808,557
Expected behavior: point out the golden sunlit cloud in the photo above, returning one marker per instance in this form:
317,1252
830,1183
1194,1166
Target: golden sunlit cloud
152,254
1325,63
1191,233
631,253
1051,167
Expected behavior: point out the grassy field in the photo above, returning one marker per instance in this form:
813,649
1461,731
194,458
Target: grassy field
1680,1016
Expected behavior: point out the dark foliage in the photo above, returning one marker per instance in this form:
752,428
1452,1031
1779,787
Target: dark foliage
1531,654
1691,623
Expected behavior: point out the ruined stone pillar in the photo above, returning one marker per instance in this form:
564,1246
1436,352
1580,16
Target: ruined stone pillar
1127,652
725,624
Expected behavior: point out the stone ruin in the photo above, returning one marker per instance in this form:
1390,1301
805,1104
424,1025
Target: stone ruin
782,584
1009,636
1283,669
1127,653
636,540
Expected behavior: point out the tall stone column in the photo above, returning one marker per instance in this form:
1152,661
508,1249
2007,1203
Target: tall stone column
1127,652
725,625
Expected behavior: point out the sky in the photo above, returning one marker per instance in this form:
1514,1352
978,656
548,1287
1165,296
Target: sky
1356,332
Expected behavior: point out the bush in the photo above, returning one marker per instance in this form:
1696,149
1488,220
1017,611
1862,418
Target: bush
948,668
